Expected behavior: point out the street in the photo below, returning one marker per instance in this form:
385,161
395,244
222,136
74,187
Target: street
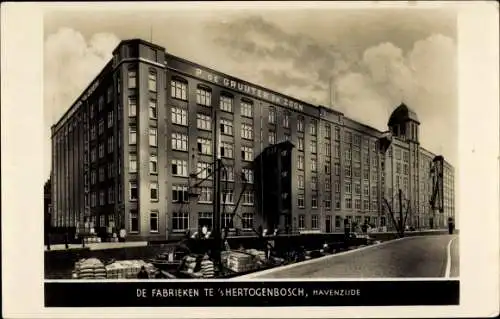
412,257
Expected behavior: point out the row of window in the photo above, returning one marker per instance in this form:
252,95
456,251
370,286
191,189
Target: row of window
180,221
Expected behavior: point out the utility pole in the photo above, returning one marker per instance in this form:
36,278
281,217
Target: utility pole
216,191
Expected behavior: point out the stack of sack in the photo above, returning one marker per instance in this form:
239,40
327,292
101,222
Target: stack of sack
128,269
207,268
240,262
91,268
190,263
259,255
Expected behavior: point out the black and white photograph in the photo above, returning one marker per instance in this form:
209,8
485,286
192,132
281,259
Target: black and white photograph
253,156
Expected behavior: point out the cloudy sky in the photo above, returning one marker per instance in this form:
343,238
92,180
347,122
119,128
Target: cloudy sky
376,58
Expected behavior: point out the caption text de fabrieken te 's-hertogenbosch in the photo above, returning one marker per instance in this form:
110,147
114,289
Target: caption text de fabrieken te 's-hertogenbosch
243,292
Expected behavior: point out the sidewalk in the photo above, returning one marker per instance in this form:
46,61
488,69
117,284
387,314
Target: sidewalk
98,246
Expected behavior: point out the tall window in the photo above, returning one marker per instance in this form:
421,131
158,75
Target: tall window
328,149
204,146
134,194
179,168
101,127
132,106
132,135
314,164
134,221
300,143
153,189
110,119
154,223
272,115
203,96
272,137
132,79
153,137
227,220
203,122
101,150
93,132
246,109
328,131
286,119
180,221
246,153
227,196
302,222
226,150
314,147
228,173
247,131
300,200
109,95
179,193
153,110
204,170
110,144
179,141
152,86
314,201
314,221
226,103
337,133
314,182
248,173
153,164
178,89
179,116
205,195
313,129
300,163
247,220
226,127
348,202
300,181
348,188
300,124
248,198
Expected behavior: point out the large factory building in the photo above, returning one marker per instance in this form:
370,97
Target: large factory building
129,151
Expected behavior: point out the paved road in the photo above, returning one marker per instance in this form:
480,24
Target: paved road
417,257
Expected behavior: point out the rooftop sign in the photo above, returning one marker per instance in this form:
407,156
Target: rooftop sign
248,89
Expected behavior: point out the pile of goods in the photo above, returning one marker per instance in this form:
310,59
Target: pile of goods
91,268
128,269
243,261
205,267
92,240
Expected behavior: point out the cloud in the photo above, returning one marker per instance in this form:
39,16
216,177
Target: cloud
370,82
70,64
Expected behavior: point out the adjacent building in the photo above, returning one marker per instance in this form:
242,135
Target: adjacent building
129,151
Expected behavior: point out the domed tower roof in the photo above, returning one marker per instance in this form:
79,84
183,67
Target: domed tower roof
402,114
